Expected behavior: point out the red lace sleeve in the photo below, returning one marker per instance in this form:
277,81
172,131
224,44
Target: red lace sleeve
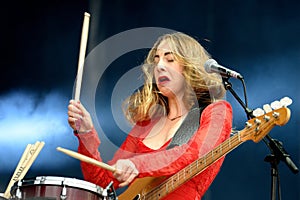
88,145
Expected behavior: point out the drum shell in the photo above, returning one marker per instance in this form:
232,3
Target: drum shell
56,188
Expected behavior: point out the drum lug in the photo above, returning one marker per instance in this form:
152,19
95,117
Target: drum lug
18,194
63,195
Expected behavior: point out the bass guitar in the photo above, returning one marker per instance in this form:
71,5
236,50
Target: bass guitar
153,188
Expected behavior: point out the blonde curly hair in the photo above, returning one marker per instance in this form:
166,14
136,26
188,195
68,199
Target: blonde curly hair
201,86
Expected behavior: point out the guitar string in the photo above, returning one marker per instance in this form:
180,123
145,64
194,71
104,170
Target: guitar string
161,188
207,158
194,169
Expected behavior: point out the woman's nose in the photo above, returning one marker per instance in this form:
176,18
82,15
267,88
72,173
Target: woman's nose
161,65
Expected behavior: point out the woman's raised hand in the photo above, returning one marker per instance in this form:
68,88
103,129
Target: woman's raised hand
79,118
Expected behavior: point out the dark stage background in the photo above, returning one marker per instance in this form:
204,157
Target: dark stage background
39,54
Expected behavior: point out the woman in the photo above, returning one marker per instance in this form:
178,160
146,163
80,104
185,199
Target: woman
175,84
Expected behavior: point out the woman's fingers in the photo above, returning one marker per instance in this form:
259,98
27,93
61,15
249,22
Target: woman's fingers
74,110
125,172
78,117
128,181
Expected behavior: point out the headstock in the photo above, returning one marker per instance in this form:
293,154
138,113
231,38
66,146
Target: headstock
276,114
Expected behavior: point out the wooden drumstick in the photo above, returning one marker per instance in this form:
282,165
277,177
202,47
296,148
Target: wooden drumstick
83,44
28,157
34,152
86,159
17,172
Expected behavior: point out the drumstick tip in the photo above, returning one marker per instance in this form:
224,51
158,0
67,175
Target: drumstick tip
87,14
58,148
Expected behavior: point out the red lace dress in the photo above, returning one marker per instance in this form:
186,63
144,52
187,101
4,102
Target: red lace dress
215,127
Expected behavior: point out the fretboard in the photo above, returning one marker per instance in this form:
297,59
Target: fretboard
196,167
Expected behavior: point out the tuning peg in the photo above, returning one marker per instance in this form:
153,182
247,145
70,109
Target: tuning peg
267,108
286,101
258,112
276,105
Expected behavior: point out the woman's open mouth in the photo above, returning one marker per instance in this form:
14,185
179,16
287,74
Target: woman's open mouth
163,79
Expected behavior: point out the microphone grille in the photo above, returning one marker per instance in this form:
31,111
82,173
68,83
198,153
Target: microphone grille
208,64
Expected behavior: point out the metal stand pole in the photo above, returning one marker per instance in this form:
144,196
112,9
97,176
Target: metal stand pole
275,146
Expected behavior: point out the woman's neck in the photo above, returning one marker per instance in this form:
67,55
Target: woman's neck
177,109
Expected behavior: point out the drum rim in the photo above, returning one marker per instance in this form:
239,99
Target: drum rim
61,181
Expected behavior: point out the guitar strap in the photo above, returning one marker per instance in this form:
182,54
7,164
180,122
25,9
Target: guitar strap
187,129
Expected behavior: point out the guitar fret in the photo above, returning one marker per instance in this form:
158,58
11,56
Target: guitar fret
225,144
172,183
167,188
217,151
209,157
176,180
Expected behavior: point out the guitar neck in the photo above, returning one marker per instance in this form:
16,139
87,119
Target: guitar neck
173,182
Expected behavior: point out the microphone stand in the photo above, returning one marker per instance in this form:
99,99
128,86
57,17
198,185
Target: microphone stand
278,153
228,86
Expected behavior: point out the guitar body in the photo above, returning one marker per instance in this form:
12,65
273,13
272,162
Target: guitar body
140,187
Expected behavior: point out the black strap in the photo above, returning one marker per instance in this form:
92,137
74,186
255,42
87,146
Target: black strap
187,129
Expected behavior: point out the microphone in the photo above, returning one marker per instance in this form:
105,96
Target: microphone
211,66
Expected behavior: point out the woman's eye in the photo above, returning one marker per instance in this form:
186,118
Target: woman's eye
170,60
